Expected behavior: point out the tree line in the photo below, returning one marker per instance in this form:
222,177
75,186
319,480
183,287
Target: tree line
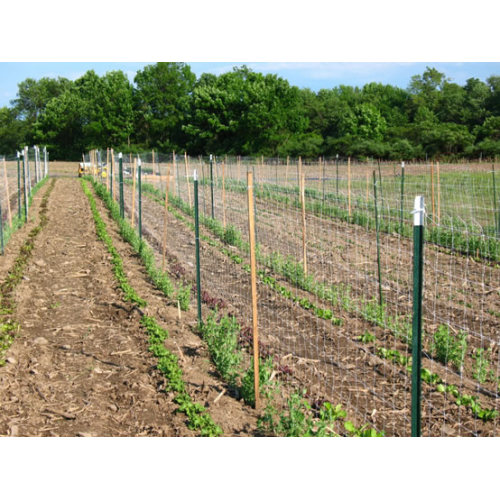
243,112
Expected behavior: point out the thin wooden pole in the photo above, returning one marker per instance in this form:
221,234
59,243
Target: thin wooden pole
349,184
164,243
367,185
303,204
107,169
432,192
187,178
223,197
7,191
439,194
134,171
299,172
286,170
253,276
113,174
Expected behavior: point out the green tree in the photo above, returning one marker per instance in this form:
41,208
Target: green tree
12,131
162,101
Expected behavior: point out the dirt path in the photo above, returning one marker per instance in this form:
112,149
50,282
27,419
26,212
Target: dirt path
80,364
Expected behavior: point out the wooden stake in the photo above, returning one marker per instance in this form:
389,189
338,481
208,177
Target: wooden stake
7,191
349,184
134,170
114,173
164,243
223,198
187,179
303,203
439,194
107,169
174,167
432,192
253,275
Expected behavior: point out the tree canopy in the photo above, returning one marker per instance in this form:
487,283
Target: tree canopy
248,113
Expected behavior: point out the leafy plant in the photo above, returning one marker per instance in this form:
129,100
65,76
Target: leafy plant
222,341
449,348
482,371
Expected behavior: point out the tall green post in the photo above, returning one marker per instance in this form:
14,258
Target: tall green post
377,230
197,246
212,185
139,173
416,351
402,197
120,174
19,186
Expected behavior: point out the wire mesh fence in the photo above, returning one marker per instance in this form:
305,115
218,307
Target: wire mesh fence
19,174
334,267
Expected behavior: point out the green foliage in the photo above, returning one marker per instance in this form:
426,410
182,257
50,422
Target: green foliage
482,371
247,390
184,296
168,364
447,347
222,341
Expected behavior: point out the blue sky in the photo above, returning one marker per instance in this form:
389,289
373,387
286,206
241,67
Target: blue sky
314,75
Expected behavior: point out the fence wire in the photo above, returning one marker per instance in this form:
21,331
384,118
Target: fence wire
334,259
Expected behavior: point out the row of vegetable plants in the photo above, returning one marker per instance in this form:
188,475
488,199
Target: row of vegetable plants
8,325
227,344
442,345
168,363
452,234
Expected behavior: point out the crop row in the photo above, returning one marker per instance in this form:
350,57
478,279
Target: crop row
168,364
445,347
8,326
452,233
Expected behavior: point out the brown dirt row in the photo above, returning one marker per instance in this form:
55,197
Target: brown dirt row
321,357
80,364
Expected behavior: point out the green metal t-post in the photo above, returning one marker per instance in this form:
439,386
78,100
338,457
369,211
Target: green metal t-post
212,185
139,173
19,186
416,350
120,174
197,245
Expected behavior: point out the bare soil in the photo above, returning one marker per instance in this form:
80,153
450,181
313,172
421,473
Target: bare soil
80,365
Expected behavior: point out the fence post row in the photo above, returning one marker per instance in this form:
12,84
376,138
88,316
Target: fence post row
416,378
